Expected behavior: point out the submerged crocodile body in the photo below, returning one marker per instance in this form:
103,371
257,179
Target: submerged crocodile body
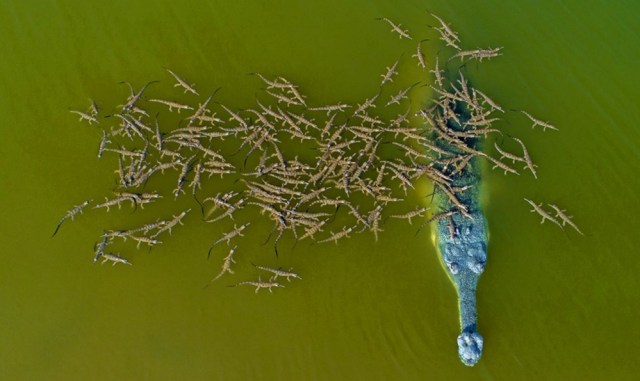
462,242
464,257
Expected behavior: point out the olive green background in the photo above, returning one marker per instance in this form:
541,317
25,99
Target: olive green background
553,305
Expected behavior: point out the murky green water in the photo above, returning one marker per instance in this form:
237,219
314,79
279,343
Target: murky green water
552,304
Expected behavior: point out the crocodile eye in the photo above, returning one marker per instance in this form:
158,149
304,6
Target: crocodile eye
476,266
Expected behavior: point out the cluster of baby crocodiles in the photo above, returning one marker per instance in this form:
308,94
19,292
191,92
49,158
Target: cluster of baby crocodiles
352,169
351,159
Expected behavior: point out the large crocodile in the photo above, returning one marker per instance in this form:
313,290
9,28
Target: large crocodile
461,238
464,256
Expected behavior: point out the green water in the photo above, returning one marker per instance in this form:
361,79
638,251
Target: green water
552,304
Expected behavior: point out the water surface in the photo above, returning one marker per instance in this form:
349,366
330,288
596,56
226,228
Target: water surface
552,304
